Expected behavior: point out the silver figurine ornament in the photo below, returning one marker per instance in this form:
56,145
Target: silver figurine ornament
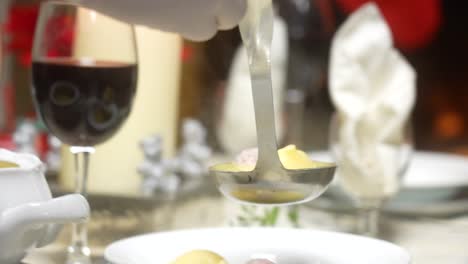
195,152
158,174
25,137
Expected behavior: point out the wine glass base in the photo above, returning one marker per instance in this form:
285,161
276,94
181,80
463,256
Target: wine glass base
369,217
78,255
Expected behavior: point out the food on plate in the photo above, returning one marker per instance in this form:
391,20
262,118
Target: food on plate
260,261
7,164
200,257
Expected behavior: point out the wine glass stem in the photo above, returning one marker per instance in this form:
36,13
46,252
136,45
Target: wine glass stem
78,251
369,217
368,224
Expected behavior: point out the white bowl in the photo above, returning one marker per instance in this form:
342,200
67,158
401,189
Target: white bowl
238,245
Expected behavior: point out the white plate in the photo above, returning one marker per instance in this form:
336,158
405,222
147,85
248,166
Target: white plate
428,170
436,170
430,186
237,245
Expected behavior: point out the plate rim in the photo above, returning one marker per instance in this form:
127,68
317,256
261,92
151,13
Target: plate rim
405,254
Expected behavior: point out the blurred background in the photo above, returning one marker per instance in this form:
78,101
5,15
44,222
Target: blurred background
430,33
193,106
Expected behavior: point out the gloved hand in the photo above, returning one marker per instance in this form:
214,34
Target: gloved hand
194,19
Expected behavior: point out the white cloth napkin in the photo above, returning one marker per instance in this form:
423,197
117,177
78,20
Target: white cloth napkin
373,89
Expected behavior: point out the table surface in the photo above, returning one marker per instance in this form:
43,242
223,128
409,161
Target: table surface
430,240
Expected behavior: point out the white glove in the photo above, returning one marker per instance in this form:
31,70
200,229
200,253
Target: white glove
194,19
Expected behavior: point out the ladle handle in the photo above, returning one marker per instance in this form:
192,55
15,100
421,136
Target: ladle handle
256,30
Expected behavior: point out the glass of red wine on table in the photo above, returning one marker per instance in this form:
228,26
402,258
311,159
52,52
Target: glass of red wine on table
83,85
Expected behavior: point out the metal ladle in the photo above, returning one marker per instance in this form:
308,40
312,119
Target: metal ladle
269,182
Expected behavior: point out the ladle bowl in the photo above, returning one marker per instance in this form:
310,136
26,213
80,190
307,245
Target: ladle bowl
286,187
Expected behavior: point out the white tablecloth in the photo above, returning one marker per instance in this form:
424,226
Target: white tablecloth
429,241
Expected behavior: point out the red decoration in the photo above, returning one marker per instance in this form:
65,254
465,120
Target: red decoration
20,26
187,53
6,141
41,144
414,23
60,29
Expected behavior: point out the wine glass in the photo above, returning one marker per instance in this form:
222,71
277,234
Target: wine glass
83,84
370,182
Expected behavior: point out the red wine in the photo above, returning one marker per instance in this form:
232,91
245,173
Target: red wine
83,104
